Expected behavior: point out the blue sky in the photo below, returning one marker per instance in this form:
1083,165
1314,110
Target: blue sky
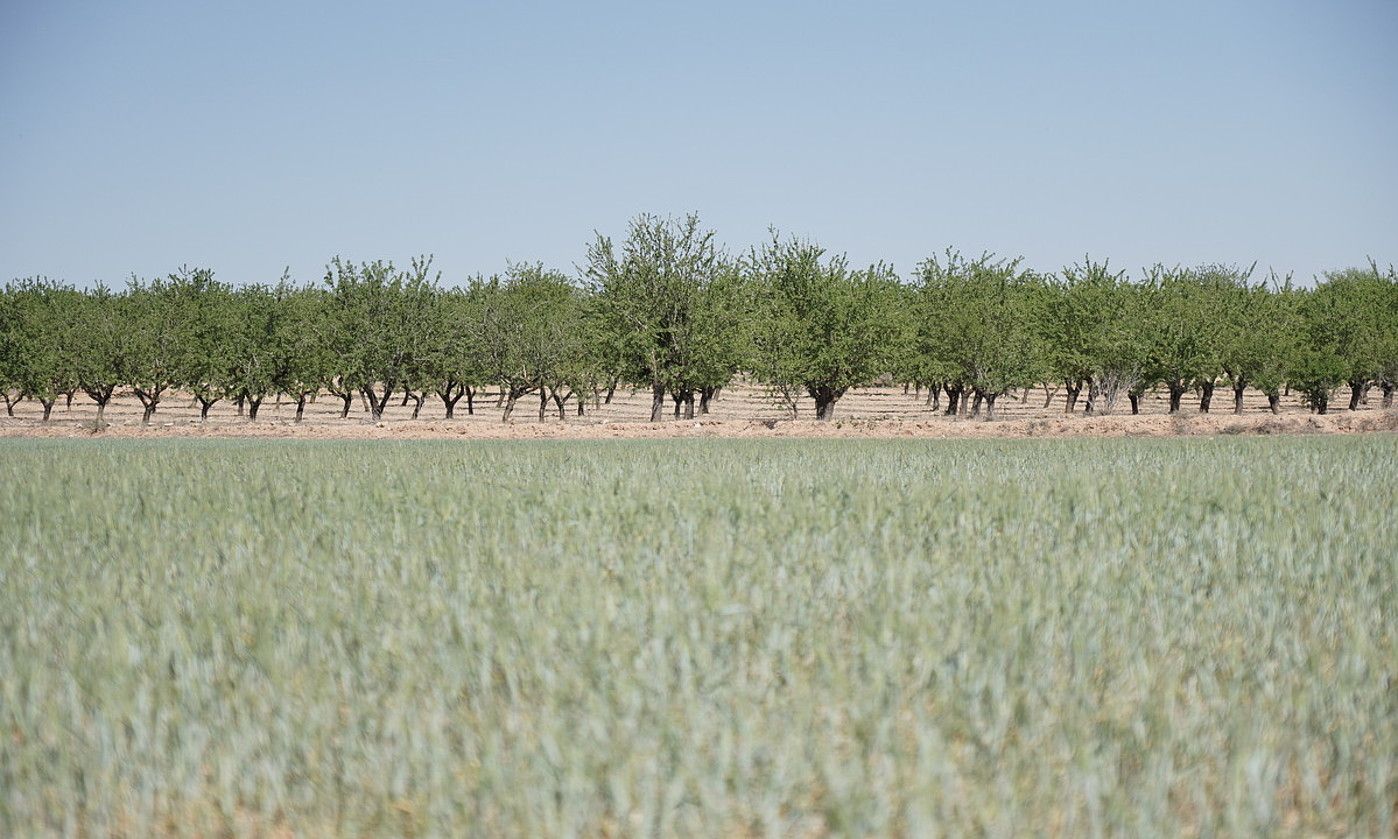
136,137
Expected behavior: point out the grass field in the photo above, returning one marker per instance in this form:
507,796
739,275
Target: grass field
705,637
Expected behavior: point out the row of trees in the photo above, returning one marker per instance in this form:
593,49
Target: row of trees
670,312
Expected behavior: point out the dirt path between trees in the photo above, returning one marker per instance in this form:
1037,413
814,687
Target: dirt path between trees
742,411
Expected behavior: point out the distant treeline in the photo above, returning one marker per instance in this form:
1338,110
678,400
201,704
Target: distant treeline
670,312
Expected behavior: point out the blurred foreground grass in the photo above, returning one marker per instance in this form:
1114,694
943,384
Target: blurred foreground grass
1134,637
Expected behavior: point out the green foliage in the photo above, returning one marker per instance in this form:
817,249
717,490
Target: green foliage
531,333
40,345
1182,329
452,357
979,324
303,358
98,342
376,312
257,359
660,306
815,637
161,331
1264,337
821,328
669,311
1093,333
1352,315
1335,343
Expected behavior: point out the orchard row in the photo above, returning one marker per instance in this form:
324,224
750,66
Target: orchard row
669,311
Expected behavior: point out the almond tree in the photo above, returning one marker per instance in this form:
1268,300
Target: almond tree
1178,331
255,334
450,360
1318,367
97,343
376,311
42,317
821,326
1091,334
300,344
981,315
647,300
207,353
1354,311
10,388
155,346
1258,333
1388,337
531,333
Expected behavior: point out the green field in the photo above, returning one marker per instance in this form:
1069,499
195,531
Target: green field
1139,637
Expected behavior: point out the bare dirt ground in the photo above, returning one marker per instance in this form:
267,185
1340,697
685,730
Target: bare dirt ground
740,411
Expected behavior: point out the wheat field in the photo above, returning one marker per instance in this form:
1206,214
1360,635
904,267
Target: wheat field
699,637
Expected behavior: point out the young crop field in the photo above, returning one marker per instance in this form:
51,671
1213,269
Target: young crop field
699,637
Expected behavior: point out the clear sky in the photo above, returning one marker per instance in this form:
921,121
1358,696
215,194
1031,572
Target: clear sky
137,136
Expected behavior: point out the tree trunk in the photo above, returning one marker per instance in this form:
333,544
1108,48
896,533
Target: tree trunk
407,394
657,402
509,406
48,406
239,403
611,390
1206,396
1094,390
990,406
253,406
1071,402
1135,402
953,398
581,402
1387,394
68,404
976,401
470,401
1176,394
705,395
348,399
101,409
377,405
300,406
148,401
1238,389
10,403
417,403
205,405
449,400
558,403
543,402
1356,393
689,404
825,399
1273,401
